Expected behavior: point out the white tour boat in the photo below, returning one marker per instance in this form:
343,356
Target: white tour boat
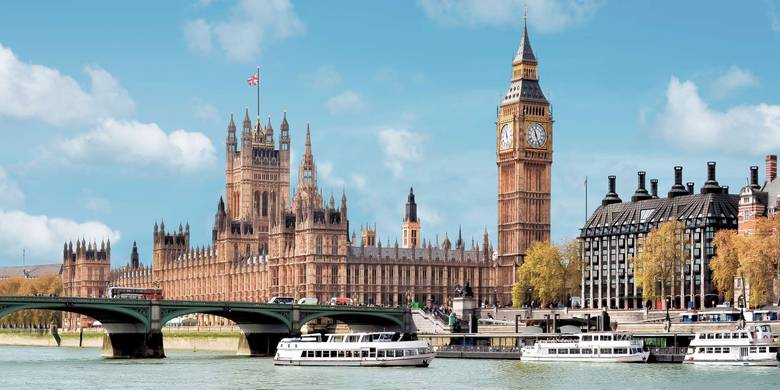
751,346
378,349
587,347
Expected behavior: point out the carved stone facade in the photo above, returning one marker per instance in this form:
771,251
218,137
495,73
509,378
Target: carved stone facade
524,134
268,248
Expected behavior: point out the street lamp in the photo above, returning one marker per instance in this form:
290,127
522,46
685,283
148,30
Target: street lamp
741,303
668,320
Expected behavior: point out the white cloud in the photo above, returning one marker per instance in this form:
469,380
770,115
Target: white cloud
42,237
250,25
10,194
133,142
544,15
197,33
325,76
347,101
731,81
30,91
687,121
400,147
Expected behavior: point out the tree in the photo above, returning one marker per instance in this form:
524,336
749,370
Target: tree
45,285
725,265
758,259
571,264
662,253
551,272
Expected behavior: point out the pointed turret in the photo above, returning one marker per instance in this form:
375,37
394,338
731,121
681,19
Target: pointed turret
411,207
134,256
269,131
524,52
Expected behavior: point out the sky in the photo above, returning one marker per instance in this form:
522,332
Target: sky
114,115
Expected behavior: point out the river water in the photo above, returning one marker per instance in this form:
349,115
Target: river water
70,368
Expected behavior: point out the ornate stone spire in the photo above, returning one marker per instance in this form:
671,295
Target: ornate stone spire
524,52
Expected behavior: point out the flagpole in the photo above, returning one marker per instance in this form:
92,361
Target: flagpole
586,199
258,91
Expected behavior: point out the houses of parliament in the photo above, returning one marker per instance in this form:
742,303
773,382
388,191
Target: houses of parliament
267,243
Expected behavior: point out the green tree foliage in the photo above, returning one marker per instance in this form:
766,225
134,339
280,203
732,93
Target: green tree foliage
45,285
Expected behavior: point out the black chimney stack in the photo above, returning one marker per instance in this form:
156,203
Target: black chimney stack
690,185
612,196
754,178
678,188
641,192
711,186
654,188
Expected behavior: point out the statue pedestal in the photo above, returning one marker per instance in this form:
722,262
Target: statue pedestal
464,307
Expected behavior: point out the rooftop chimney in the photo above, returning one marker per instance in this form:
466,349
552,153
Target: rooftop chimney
754,178
612,196
690,187
678,188
771,167
711,186
654,188
641,192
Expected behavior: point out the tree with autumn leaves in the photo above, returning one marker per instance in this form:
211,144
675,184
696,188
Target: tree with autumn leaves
19,286
661,254
755,257
550,272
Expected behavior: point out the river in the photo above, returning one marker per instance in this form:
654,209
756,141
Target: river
72,368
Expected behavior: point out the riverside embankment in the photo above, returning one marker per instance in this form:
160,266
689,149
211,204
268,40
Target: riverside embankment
218,339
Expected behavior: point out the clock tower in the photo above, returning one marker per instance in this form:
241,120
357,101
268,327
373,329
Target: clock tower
524,133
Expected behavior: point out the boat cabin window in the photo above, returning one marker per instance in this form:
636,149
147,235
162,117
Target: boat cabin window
574,351
586,338
718,336
563,351
761,349
336,339
605,351
353,338
753,349
701,349
743,335
606,337
621,351
552,351
772,349
587,351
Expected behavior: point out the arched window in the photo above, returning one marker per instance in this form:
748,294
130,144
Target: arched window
273,204
334,245
235,251
256,203
248,250
319,245
265,204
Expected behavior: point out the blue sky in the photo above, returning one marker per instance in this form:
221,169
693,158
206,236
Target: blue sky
113,115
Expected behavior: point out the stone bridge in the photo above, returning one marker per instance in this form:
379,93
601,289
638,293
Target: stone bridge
134,326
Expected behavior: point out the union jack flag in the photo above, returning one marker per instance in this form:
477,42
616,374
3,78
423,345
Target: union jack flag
253,79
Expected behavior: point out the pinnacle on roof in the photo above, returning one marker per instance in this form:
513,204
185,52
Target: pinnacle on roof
285,125
524,52
232,124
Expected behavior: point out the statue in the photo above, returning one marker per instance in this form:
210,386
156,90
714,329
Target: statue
465,291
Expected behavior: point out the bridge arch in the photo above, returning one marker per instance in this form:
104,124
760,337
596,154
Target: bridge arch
239,315
106,314
353,317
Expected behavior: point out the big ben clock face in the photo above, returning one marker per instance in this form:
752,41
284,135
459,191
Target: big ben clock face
506,136
537,136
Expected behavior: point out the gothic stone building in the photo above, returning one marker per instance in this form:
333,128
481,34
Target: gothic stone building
524,140
264,245
612,237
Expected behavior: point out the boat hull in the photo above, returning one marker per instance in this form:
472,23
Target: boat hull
416,361
636,358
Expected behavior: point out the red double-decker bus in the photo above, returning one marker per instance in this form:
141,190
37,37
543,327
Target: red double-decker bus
135,293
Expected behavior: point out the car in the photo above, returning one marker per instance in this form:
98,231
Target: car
308,301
